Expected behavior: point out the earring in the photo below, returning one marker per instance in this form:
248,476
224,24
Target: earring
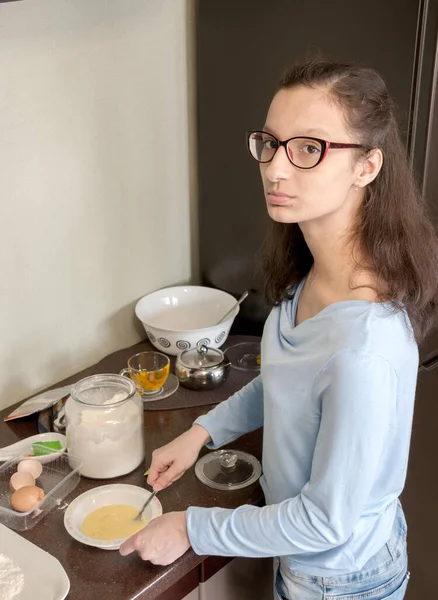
356,189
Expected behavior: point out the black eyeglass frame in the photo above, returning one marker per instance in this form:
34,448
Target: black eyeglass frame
325,147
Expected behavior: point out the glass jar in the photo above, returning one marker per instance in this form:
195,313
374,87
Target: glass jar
104,426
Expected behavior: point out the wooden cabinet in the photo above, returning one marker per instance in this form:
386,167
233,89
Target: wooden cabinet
239,579
194,595
218,578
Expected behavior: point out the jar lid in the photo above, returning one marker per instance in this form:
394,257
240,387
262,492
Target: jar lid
201,357
228,469
106,390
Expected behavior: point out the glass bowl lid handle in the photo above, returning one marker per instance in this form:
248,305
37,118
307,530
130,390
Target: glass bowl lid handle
228,460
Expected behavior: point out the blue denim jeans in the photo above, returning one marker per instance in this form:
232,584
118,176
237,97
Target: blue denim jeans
384,577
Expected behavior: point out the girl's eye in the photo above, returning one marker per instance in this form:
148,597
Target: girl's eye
310,149
269,144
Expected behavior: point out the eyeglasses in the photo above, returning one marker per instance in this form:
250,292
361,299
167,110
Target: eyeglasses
303,152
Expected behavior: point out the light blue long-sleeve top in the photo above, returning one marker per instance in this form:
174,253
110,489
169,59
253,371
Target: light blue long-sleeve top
335,396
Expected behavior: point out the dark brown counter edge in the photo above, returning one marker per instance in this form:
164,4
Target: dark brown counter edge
94,573
208,567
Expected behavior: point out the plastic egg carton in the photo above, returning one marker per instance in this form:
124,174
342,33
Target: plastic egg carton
58,478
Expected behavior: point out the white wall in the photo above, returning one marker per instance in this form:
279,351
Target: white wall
96,177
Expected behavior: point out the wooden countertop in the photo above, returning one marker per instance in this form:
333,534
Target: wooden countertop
102,574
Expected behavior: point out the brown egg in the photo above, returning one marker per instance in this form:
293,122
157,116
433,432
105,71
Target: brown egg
34,467
20,479
26,498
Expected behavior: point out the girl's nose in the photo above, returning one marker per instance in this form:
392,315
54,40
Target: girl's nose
279,167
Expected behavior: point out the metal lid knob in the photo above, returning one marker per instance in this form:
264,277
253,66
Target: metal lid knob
202,348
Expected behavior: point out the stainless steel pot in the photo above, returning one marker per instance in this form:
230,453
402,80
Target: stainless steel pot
202,368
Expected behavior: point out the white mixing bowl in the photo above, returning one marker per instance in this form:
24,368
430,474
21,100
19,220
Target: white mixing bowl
177,318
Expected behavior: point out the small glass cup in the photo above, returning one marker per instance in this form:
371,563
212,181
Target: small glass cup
149,371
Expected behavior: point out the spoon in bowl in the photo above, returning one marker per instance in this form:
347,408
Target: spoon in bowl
241,299
148,501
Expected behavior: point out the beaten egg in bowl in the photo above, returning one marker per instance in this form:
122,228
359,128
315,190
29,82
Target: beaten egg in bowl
112,522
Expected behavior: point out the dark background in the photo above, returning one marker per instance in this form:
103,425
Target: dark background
242,50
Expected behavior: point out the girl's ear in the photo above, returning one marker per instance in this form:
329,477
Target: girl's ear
369,167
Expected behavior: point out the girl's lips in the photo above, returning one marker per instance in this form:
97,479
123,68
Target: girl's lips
276,198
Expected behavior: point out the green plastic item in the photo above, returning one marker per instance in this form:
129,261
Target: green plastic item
42,448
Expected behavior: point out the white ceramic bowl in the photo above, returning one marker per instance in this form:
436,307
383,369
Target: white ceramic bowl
178,318
104,495
23,448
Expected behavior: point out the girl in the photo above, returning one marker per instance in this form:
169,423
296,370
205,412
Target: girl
350,268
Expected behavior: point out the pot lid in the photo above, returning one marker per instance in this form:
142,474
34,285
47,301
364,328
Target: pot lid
201,357
228,469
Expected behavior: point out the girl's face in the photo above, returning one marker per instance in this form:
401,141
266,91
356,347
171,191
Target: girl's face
295,195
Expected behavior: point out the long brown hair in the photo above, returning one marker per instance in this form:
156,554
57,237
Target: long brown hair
393,229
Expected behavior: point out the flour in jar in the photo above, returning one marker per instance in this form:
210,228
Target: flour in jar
91,415
11,579
105,436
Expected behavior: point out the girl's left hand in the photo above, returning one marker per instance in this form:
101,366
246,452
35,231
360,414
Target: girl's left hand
162,541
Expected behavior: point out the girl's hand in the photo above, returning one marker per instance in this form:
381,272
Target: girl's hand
162,541
170,462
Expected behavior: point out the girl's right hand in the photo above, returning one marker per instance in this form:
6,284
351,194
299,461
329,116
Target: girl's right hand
171,461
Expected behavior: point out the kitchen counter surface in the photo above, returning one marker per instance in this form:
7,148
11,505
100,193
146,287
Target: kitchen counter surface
95,573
